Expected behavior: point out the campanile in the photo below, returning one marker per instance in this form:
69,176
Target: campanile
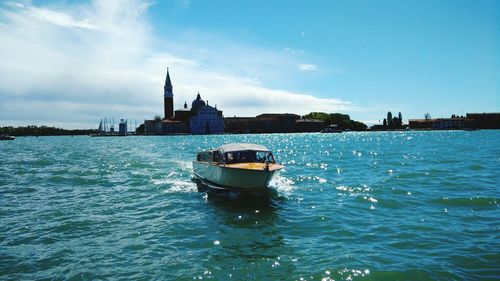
168,97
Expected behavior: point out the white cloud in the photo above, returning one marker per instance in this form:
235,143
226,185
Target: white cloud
59,18
292,51
76,64
307,67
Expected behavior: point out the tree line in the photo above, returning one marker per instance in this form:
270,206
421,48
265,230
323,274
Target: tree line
343,121
32,130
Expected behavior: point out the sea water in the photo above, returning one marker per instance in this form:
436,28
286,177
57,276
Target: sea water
351,206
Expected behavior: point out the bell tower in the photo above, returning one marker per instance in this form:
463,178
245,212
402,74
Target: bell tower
168,97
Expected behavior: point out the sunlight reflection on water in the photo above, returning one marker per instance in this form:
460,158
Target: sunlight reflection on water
382,206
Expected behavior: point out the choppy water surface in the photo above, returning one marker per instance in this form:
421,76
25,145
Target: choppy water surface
351,206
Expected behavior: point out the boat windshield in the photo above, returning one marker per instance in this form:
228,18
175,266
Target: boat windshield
205,156
209,156
249,156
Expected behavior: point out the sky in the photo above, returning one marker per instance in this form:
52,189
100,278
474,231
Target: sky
70,63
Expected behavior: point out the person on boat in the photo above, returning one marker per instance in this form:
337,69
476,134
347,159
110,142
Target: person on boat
217,157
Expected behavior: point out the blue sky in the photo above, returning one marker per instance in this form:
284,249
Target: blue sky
68,63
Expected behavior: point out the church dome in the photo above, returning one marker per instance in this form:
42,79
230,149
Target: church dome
197,103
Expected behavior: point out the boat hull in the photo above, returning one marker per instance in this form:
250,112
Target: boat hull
243,177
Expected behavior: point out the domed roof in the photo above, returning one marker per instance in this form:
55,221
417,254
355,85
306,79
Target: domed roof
197,103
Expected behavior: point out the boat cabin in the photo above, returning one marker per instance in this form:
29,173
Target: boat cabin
237,153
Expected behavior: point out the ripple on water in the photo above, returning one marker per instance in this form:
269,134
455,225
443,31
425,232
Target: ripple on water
477,202
352,206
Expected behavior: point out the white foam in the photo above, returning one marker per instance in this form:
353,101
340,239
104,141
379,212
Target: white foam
185,166
175,183
282,184
181,186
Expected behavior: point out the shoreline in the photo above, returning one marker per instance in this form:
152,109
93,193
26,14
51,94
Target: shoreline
246,133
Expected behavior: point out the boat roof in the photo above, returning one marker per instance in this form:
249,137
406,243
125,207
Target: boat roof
231,147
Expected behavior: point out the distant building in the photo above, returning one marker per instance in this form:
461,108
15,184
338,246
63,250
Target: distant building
122,127
183,114
309,125
379,127
453,123
264,123
164,127
200,119
390,123
272,123
239,125
421,123
277,123
485,120
204,118
168,97
457,123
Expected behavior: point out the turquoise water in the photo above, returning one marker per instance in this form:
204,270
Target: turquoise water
350,206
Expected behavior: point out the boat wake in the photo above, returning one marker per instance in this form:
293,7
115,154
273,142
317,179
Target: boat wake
282,184
184,166
176,182
179,186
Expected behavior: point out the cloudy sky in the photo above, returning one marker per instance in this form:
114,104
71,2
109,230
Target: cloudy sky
69,63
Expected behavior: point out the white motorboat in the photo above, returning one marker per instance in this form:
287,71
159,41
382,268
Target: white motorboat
6,137
237,166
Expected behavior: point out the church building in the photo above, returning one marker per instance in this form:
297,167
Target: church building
201,118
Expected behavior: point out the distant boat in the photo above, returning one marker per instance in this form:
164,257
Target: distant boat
242,167
104,132
332,129
6,137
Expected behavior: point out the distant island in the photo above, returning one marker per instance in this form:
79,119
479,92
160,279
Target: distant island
293,123
471,121
202,118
